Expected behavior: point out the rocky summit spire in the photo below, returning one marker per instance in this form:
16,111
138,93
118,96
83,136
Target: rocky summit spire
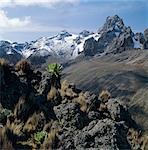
113,23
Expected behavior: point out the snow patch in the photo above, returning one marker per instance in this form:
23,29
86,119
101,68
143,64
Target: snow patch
26,53
136,44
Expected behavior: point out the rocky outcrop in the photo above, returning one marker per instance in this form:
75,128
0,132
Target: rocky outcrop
105,40
108,136
113,23
9,52
121,38
145,44
90,47
122,43
115,37
142,39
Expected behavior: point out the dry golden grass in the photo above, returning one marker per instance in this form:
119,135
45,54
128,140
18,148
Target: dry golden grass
23,65
70,93
103,107
52,94
3,62
66,90
15,127
32,122
19,106
65,85
50,140
104,96
5,143
136,138
81,100
144,142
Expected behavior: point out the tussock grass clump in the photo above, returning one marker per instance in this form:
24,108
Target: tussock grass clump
16,127
103,107
4,64
24,66
5,71
25,107
67,90
81,100
33,122
5,142
18,107
52,94
104,96
136,138
65,85
50,141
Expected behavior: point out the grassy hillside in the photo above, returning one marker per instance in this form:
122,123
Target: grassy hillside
125,75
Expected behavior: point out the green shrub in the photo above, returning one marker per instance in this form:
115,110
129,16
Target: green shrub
40,136
5,112
54,69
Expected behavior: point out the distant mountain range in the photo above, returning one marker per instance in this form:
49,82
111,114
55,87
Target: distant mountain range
112,37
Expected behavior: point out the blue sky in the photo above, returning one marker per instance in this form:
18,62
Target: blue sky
26,20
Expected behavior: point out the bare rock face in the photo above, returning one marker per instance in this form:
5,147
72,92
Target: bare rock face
121,38
122,43
113,23
139,37
8,52
70,115
146,34
145,44
142,39
105,40
101,134
115,37
90,47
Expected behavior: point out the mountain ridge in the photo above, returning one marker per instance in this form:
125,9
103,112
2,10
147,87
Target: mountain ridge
112,37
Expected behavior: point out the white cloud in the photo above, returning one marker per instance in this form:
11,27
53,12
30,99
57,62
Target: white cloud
46,3
7,23
5,3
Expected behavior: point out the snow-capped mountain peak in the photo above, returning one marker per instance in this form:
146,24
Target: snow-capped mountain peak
112,37
64,44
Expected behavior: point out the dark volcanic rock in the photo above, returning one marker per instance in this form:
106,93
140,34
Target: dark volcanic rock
8,52
85,33
70,115
115,37
145,45
100,134
113,23
146,34
90,47
105,39
11,88
44,85
123,43
139,37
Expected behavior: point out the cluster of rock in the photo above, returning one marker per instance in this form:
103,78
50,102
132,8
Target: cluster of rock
71,118
115,37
